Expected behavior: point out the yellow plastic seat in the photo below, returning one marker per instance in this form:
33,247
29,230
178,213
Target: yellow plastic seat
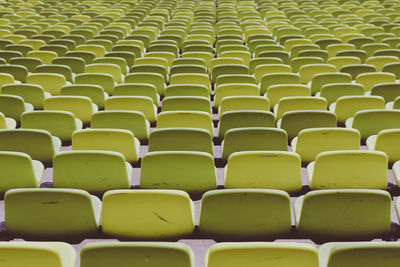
45,56
52,213
190,119
380,61
343,214
51,82
334,48
261,70
59,123
307,72
253,139
117,140
244,214
350,169
107,68
45,254
184,103
385,141
142,104
7,123
370,79
264,169
291,103
153,210
155,79
192,78
190,171
81,106
92,171
276,92
368,254
12,106
233,103
98,50
339,62
234,89
332,91
257,254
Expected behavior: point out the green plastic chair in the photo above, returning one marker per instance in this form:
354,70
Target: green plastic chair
242,118
102,254
276,79
17,71
357,69
321,79
310,142
13,106
385,141
276,92
104,80
181,139
247,214
92,171
253,139
264,170
153,210
188,119
295,121
32,94
51,213
76,64
133,103
370,122
146,77
389,91
133,121
392,68
258,254
368,254
117,140
370,79
236,103
137,89
19,171
343,214
333,91
307,72
39,144
94,92
58,123
184,103
291,103
234,89
350,169
193,172
45,254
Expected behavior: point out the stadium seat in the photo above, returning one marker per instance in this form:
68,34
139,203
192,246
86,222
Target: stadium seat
51,213
91,170
13,106
245,214
291,103
133,103
343,214
332,91
385,141
187,119
190,171
185,103
117,140
159,214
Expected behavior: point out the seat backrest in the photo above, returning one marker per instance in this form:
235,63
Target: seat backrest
234,89
189,119
389,91
51,212
117,140
347,106
181,139
291,103
45,254
102,254
142,104
12,106
284,254
277,92
278,78
153,210
264,169
232,103
92,171
81,106
331,92
51,82
244,213
348,213
350,169
105,80
193,172
186,103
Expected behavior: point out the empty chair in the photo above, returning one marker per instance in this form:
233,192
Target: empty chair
133,121
389,91
350,169
186,103
307,72
13,106
190,171
51,213
92,171
321,79
366,254
190,78
295,121
357,69
331,92
104,80
19,171
291,103
142,104
228,69
94,92
310,142
46,254
112,69
370,122
253,139
278,78
81,106
276,92
102,254
155,79
117,140
181,139
39,144
250,214
7,123
264,169
137,89
188,119
242,118
51,82
343,214
58,123
386,141
159,214
17,71
234,89
257,254
233,103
